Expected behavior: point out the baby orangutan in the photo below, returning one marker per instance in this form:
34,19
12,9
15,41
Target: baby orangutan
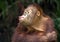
34,26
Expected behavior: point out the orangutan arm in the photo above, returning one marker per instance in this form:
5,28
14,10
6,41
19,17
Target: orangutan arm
50,35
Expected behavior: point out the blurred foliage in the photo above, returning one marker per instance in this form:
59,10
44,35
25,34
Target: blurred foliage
11,9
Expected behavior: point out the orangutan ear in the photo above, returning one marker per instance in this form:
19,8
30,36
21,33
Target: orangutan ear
38,13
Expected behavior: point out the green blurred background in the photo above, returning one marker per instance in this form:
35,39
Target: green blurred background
11,9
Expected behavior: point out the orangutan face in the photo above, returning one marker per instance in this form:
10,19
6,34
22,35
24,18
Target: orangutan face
28,15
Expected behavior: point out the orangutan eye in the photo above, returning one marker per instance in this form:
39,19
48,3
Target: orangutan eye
25,12
30,11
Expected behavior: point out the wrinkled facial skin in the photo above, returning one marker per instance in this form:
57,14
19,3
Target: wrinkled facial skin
28,15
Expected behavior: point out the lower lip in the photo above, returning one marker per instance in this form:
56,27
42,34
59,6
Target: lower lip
21,17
